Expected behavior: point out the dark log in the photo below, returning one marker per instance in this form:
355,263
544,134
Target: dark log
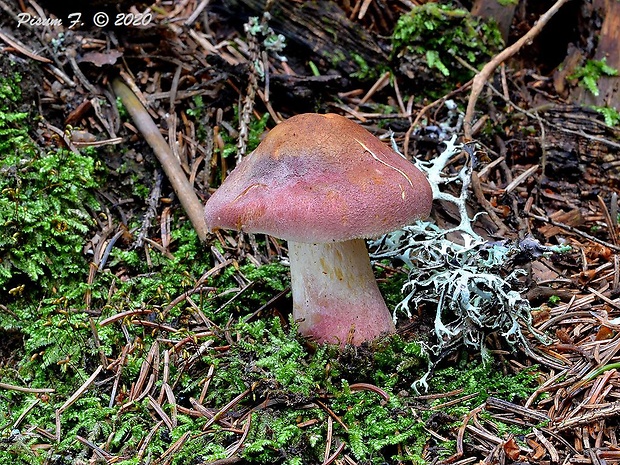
607,41
304,92
320,29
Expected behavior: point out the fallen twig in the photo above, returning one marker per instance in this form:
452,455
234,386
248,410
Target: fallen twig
197,12
551,450
603,411
234,448
147,439
423,111
177,445
609,220
334,456
575,231
192,206
332,414
481,78
151,211
102,454
18,46
25,413
76,395
370,387
150,362
160,411
494,402
12,387
225,409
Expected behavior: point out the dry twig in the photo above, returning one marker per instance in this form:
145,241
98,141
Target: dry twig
76,395
481,78
576,231
192,206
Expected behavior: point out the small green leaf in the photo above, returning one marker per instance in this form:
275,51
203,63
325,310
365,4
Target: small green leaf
433,60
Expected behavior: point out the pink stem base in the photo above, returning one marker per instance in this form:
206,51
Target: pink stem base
335,294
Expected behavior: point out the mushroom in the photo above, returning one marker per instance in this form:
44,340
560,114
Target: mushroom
324,184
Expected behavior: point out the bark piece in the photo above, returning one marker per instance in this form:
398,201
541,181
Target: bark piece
580,147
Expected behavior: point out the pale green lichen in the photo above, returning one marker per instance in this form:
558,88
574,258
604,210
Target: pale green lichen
468,283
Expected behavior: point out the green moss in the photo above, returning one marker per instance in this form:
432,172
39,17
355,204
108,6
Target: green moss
433,41
366,72
255,132
285,385
611,115
44,196
337,57
392,289
484,380
374,427
275,436
589,74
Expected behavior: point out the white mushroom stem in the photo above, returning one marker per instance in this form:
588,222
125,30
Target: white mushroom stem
335,293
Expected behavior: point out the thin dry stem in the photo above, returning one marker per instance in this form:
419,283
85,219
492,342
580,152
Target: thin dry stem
192,206
482,77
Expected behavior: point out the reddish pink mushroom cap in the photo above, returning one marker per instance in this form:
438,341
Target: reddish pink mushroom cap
320,178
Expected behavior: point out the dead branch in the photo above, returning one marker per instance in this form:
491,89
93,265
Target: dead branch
481,78
192,206
76,395
21,48
11,387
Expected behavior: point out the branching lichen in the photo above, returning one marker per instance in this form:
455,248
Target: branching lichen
462,281
467,283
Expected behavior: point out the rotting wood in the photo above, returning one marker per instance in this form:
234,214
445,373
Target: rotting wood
481,78
579,145
321,28
608,49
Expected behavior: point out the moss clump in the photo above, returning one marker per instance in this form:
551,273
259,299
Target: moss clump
589,74
484,380
255,132
43,203
437,45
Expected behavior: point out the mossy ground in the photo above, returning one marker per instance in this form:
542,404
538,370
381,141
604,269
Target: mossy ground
191,331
